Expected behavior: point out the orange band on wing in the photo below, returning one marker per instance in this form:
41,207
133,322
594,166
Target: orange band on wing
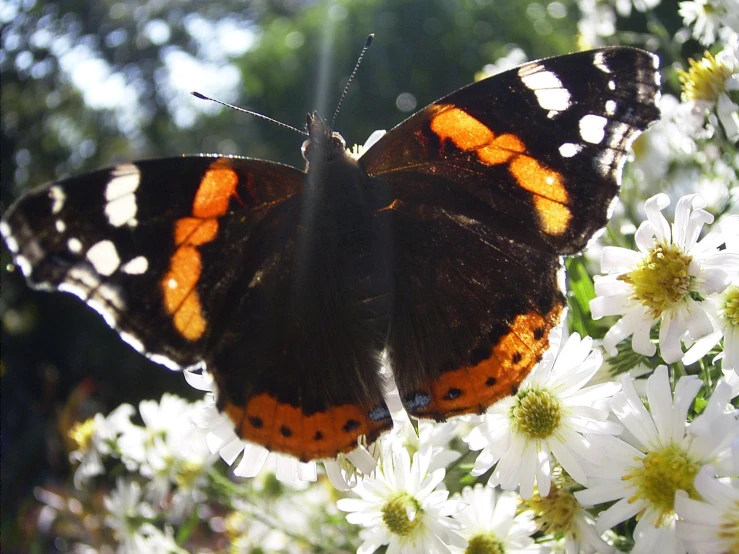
178,286
471,390
281,427
467,133
215,192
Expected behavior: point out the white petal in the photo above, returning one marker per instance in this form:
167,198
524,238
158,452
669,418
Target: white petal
615,259
714,280
670,331
620,511
253,461
362,460
702,347
653,208
568,461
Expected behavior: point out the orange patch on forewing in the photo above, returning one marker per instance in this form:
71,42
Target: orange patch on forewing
195,231
540,180
181,300
281,427
180,297
469,134
469,390
553,216
466,132
501,150
215,192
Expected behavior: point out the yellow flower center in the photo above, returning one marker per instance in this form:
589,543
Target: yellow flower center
730,307
537,414
705,79
660,475
556,513
402,514
81,433
187,473
488,543
661,280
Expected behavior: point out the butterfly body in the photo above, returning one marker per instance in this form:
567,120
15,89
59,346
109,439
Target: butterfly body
441,246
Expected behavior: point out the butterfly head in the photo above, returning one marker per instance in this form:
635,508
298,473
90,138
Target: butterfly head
323,144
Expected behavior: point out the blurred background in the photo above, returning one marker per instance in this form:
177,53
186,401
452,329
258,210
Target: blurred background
88,84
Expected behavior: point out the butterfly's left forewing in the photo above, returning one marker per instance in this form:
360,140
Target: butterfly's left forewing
130,241
491,185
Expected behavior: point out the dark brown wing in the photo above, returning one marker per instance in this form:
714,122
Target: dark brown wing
492,185
193,260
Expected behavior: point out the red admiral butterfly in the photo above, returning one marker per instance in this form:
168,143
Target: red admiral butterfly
441,245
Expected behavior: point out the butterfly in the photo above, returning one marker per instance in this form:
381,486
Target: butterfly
439,250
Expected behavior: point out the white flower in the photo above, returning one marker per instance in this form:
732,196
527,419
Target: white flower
706,85
547,416
128,517
663,455
623,7
711,525
222,439
401,508
708,16
561,518
490,524
723,310
659,282
95,438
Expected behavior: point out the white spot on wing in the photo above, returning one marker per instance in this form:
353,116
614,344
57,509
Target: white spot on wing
610,107
592,128
549,91
135,343
120,194
9,239
60,226
568,149
172,283
599,61
101,297
104,257
74,245
137,266
24,264
57,196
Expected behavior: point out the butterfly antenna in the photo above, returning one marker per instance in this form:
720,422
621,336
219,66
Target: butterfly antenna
244,110
351,77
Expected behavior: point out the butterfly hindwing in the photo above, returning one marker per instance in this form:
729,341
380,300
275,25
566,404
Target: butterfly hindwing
492,185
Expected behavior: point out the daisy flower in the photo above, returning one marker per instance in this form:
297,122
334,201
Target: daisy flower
401,508
490,524
95,438
711,525
665,280
707,17
129,517
559,514
221,438
547,416
723,310
706,85
663,455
